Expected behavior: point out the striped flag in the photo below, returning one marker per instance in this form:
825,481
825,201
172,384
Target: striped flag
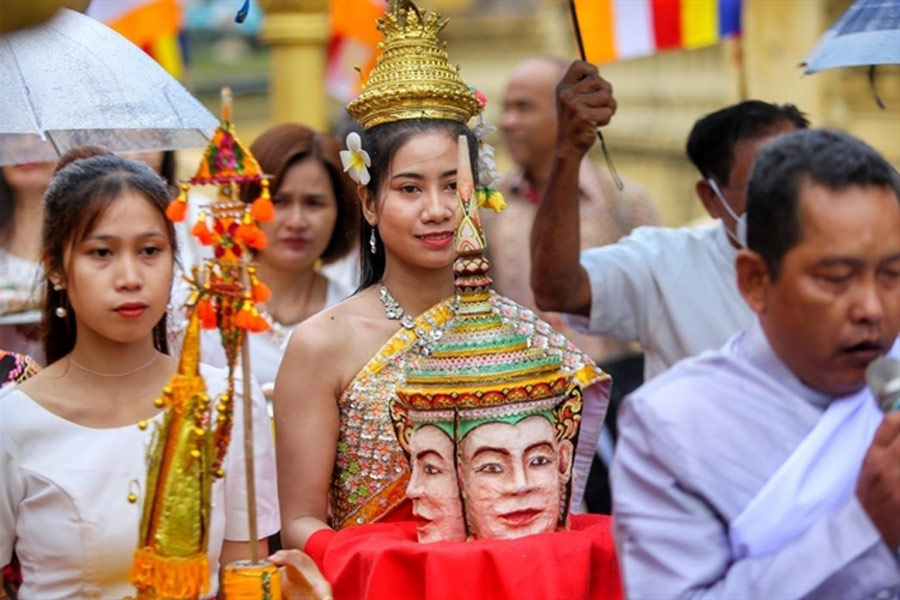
353,46
617,29
153,25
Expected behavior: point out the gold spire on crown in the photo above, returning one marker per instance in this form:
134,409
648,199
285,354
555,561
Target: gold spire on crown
413,77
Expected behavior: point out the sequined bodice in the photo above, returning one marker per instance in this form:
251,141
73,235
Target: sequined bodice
370,472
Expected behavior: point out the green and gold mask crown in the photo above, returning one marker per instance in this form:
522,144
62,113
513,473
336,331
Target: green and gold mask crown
495,361
413,77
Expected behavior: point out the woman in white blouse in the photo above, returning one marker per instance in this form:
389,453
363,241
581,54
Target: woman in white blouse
72,456
21,189
315,224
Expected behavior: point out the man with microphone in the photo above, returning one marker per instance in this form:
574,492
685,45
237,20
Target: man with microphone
765,469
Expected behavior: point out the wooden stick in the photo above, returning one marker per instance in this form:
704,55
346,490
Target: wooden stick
574,12
606,155
248,438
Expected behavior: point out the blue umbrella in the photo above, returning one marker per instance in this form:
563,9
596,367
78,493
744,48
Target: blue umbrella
867,34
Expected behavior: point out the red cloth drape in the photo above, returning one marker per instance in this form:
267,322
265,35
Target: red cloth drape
383,561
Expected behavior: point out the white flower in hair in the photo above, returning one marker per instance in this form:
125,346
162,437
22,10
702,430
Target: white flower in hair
356,160
487,166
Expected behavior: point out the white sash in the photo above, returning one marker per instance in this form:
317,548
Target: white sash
818,476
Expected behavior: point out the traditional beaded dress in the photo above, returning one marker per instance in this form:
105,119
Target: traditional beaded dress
371,471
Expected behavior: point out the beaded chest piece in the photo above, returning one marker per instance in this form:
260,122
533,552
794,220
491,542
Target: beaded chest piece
370,474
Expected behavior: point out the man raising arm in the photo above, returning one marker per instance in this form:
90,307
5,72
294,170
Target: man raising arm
672,290
584,103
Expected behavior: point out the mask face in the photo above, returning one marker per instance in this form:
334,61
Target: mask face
740,236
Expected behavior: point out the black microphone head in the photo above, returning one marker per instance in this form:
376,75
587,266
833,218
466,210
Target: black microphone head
883,378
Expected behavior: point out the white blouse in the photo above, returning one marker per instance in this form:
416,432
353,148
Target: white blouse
64,495
21,290
267,347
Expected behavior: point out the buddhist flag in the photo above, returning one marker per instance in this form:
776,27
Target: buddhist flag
153,25
617,29
353,46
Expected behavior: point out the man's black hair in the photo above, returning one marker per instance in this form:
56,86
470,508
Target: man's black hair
828,158
710,145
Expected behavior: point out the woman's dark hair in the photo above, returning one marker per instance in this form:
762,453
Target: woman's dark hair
167,168
87,180
281,147
382,143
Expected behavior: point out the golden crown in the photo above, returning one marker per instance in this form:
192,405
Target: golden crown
413,77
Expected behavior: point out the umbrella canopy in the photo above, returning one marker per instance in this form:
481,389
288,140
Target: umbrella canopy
74,81
867,34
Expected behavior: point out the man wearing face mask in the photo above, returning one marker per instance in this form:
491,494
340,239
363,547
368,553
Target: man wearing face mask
672,290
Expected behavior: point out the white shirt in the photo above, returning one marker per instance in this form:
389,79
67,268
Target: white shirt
673,290
696,446
64,496
266,347
21,290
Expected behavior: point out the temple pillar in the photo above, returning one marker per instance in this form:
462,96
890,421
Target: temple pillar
297,32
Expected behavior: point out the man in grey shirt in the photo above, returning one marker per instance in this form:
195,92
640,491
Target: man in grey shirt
765,469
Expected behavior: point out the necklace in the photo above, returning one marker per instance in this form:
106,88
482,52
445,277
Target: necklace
393,310
306,299
428,334
280,330
125,374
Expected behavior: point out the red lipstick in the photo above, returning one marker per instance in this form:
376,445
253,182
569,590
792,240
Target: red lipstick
437,241
131,310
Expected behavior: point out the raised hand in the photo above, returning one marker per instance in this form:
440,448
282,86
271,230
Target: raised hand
584,102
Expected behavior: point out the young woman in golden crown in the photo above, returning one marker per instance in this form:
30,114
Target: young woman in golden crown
339,460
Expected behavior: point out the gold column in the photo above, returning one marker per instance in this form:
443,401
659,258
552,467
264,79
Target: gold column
297,32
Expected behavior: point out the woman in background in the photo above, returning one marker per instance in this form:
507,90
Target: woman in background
21,212
315,224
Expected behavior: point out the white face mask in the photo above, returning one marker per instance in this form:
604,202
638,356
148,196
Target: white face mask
741,236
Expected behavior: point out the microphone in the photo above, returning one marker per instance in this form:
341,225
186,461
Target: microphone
883,378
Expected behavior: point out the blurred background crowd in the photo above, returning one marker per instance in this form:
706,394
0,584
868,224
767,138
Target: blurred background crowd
292,61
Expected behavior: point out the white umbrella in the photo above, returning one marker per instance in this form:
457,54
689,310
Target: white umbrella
74,81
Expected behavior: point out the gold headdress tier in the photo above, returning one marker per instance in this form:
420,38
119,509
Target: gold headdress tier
413,77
